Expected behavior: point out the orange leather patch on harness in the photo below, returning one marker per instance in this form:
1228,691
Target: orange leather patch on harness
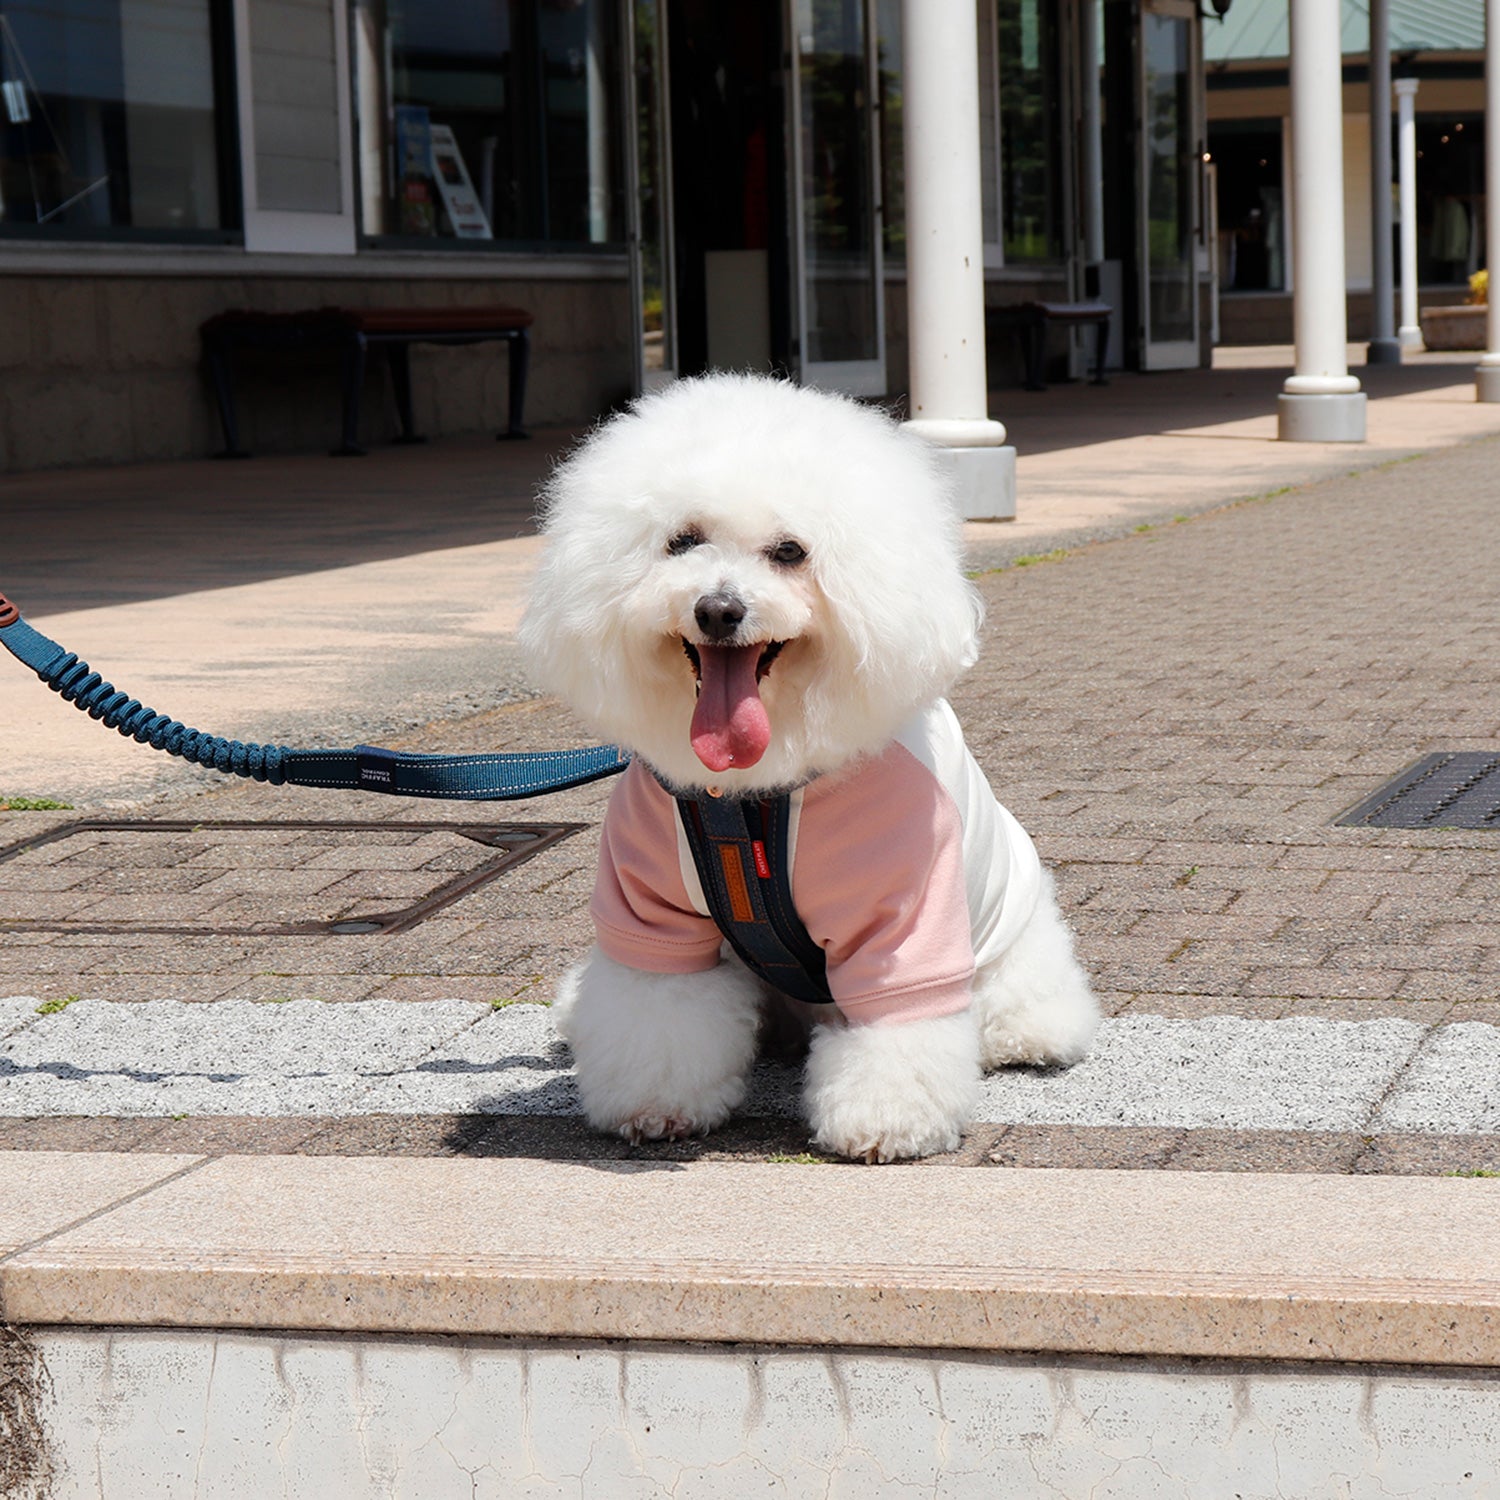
734,881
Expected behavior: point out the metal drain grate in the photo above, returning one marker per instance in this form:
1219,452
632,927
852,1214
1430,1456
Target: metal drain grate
235,878
1452,789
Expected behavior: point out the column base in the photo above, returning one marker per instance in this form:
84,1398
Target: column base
1487,383
985,488
1410,337
1386,351
1337,418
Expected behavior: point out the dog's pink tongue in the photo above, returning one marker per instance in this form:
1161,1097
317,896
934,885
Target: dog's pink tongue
730,724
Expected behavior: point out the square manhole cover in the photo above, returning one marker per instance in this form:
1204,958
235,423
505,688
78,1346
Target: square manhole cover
251,878
1452,789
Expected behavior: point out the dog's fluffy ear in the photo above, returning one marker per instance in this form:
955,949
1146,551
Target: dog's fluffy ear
895,572
601,531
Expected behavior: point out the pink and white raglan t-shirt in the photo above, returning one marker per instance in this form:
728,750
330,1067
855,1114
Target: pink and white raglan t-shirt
905,870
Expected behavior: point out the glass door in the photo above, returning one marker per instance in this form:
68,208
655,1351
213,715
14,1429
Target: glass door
839,305
652,283
1169,180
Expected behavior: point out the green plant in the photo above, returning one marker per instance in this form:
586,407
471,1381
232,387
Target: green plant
1479,287
51,1007
33,804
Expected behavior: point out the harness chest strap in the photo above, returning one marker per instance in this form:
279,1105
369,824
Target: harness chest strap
741,849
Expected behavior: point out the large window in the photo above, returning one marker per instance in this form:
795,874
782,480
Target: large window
1450,198
1020,130
1252,216
489,121
1030,147
113,119
892,141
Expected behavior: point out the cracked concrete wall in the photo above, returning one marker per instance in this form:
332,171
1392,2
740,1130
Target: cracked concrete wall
176,1413
26,1471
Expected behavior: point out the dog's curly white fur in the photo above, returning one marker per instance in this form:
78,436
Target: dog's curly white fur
810,544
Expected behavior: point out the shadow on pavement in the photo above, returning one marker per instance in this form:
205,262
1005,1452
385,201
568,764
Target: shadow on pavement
88,538
1076,414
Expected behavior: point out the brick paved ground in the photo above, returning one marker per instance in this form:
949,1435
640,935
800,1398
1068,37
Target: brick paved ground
1177,716
1181,717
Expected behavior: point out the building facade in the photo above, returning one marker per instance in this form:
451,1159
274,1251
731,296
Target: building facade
666,185
1439,43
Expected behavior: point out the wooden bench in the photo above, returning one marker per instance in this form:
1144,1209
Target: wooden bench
352,332
1031,319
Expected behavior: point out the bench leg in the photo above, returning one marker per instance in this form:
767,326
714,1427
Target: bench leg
220,369
355,350
1101,349
400,359
520,362
1034,345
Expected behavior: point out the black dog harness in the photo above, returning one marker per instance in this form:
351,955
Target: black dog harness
741,847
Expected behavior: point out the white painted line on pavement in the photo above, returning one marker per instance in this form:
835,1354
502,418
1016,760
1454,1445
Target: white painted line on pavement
16,1012
1223,1072
1454,1085
511,1062
164,1057
453,1056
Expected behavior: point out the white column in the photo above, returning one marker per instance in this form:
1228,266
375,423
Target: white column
1320,402
1487,376
1409,334
945,254
1384,348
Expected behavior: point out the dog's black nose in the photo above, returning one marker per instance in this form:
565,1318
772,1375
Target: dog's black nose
719,615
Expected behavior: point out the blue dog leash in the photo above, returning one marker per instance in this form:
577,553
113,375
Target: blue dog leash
365,768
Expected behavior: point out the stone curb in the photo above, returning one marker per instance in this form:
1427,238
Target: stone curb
1206,1265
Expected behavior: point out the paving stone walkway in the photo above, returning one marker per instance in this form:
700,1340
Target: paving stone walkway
1179,717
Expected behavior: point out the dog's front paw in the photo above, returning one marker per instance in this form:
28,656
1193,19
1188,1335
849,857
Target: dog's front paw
658,1056
876,1137
651,1126
890,1092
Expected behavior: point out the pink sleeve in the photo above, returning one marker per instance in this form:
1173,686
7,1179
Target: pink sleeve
879,883
642,914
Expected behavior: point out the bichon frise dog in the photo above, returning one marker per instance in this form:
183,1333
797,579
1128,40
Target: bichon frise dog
756,590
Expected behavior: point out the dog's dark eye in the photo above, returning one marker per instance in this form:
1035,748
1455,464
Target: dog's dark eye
684,541
788,553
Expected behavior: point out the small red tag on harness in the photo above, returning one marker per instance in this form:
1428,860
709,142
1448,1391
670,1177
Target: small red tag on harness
762,864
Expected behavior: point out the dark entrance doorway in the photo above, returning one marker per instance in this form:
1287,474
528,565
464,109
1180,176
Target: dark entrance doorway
730,232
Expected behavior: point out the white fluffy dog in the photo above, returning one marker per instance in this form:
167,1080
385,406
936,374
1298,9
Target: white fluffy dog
756,590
